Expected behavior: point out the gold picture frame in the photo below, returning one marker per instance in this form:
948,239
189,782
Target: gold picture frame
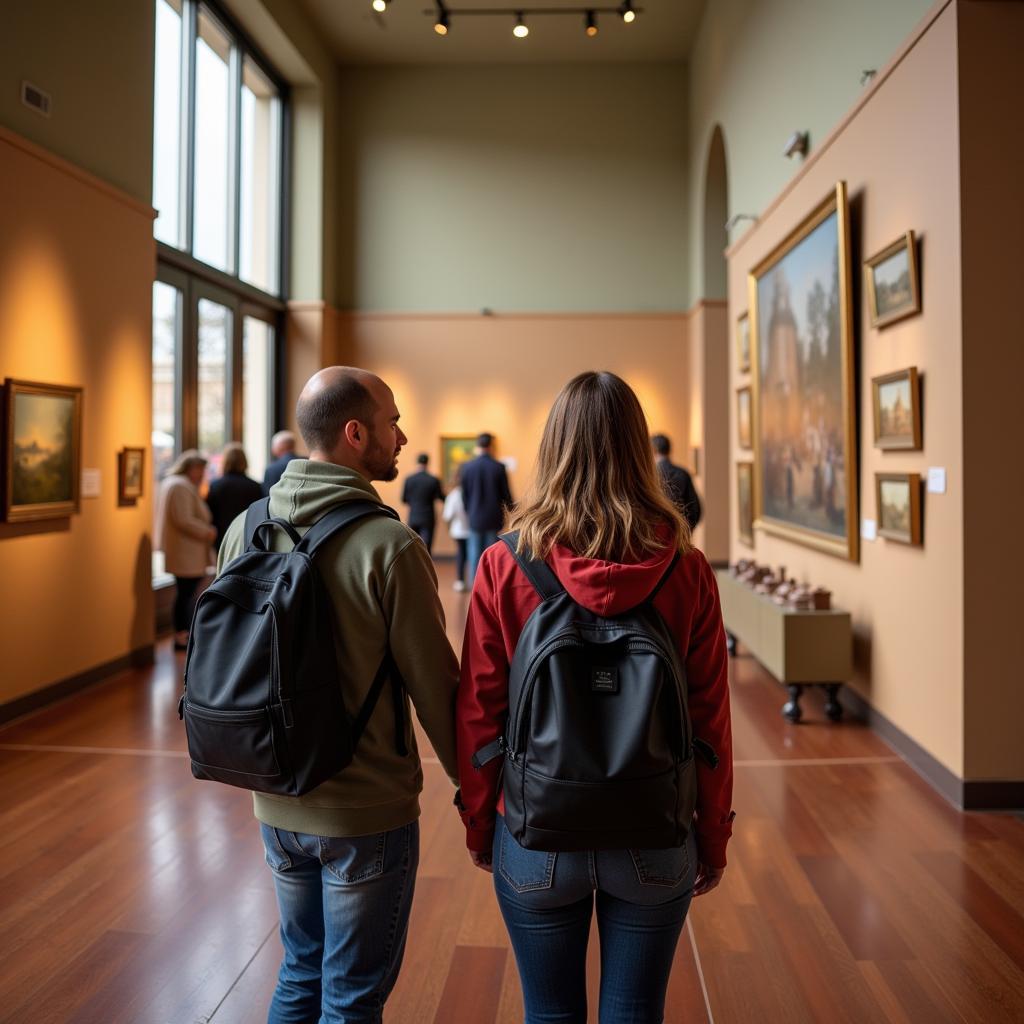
42,450
744,417
898,507
455,449
805,437
896,410
745,502
743,344
131,464
892,282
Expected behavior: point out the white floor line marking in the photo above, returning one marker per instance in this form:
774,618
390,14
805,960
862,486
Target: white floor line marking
700,971
119,751
813,762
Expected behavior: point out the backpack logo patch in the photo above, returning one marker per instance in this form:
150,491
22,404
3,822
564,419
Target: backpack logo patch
604,680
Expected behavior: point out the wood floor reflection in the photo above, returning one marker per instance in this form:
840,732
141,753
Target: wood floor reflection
131,894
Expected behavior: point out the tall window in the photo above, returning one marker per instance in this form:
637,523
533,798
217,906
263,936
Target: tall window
218,186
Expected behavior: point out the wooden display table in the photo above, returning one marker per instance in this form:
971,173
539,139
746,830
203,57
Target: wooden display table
813,648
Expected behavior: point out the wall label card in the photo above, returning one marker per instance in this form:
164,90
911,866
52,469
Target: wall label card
869,529
936,480
91,483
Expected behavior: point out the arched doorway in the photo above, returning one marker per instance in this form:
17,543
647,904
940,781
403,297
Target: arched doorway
716,213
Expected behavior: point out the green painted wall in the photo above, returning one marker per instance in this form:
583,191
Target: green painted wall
763,69
96,61
541,188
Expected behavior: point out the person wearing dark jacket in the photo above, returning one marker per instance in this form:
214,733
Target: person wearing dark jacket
677,482
282,451
486,495
419,491
232,492
599,519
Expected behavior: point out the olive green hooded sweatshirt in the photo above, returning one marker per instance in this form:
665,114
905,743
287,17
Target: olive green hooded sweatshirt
385,593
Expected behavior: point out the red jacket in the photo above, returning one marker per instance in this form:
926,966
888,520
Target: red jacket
503,600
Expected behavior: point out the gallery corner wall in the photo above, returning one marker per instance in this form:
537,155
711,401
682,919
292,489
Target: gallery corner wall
899,154
76,277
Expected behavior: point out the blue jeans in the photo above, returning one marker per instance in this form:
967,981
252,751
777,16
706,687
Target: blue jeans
344,906
547,900
479,540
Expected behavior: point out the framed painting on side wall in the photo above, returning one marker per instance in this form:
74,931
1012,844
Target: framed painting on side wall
896,407
892,282
130,463
744,423
455,450
42,456
743,344
805,441
898,506
745,501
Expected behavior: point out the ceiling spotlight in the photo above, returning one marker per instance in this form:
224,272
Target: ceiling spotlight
628,14
520,31
591,24
441,25
380,6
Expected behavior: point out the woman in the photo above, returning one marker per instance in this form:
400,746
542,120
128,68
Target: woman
232,492
599,519
454,514
184,534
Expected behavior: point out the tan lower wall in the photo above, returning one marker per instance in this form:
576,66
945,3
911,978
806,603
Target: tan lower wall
899,155
465,374
76,275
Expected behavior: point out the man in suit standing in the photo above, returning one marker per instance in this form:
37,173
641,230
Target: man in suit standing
487,498
282,451
419,491
676,481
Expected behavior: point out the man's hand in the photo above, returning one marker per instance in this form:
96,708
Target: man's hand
482,861
707,879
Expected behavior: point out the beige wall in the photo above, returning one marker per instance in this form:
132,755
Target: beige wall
762,69
991,80
899,154
76,273
96,61
536,189
462,375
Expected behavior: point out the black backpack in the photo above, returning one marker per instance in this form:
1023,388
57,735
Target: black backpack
263,706
598,745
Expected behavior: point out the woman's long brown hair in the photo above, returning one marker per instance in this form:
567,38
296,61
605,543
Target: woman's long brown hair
597,490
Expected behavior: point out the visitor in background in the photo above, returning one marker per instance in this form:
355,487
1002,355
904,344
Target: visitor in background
454,514
677,482
232,492
282,451
184,533
599,519
419,491
487,498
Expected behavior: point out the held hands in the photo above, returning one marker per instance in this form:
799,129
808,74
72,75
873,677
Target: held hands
482,861
707,879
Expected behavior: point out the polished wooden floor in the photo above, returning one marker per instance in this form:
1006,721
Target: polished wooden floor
131,894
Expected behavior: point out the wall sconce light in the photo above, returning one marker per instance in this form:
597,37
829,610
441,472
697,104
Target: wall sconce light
797,144
738,218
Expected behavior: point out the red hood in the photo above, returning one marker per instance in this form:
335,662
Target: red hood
608,588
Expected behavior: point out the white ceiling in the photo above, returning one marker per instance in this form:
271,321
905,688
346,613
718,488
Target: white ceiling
405,33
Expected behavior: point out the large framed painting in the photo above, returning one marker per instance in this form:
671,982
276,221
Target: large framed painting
745,501
455,450
43,441
805,442
896,408
893,283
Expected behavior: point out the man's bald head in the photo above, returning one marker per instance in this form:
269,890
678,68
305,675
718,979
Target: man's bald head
331,398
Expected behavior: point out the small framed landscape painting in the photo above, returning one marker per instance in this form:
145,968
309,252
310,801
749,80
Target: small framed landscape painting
893,285
898,497
895,399
743,344
455,450
745,501
42,451
744,419
130,463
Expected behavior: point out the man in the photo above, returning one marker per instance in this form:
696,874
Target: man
676,481
486,495
420,490
344,856
282,451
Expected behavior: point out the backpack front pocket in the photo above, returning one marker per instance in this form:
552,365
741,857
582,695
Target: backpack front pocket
234,743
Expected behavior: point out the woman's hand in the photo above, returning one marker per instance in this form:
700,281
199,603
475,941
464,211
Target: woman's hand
707,879
482,861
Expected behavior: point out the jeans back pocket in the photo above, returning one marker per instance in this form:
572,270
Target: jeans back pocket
524,870
661,867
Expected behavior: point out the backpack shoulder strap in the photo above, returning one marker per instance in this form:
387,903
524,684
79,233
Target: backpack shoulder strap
536,570
258,512
337,519
664,579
